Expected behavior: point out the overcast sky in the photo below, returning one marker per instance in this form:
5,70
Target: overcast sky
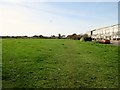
33,17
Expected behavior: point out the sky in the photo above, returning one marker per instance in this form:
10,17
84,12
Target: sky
35,17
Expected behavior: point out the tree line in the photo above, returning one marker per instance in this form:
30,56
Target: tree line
73,36
37,36
84,37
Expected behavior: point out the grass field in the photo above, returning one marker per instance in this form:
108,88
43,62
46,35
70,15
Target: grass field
0,63
35,63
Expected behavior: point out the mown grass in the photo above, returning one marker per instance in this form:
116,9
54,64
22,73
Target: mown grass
0,63
35,63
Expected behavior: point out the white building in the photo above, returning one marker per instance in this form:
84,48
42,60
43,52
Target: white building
110,33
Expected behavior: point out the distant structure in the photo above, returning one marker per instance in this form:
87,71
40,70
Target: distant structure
110,33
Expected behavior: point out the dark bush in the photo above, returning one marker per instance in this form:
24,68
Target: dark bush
88,39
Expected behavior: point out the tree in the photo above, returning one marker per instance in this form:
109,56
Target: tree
59,36
40,36
74,36
35,36
87,38
85,35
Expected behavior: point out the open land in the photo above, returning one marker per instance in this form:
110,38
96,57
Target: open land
58,63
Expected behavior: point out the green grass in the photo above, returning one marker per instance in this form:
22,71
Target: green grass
35,63
0,63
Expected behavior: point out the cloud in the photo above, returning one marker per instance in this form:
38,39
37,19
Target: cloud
16,20
27,18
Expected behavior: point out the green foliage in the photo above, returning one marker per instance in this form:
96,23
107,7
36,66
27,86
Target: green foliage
0,63
82,39
74,36
86,37
59,36
51,63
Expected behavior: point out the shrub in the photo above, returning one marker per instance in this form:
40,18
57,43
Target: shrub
88,39
82,39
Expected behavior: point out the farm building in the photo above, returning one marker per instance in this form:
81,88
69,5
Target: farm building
110,33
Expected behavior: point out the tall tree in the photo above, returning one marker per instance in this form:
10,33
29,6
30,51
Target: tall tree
59,36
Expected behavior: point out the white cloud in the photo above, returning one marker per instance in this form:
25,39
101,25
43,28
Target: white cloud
13,1
20,21
17,20
31,19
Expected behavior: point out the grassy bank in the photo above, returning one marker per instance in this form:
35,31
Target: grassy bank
32,63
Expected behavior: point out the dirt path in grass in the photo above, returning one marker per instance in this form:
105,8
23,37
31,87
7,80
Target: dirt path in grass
70,57
66,68
71,47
